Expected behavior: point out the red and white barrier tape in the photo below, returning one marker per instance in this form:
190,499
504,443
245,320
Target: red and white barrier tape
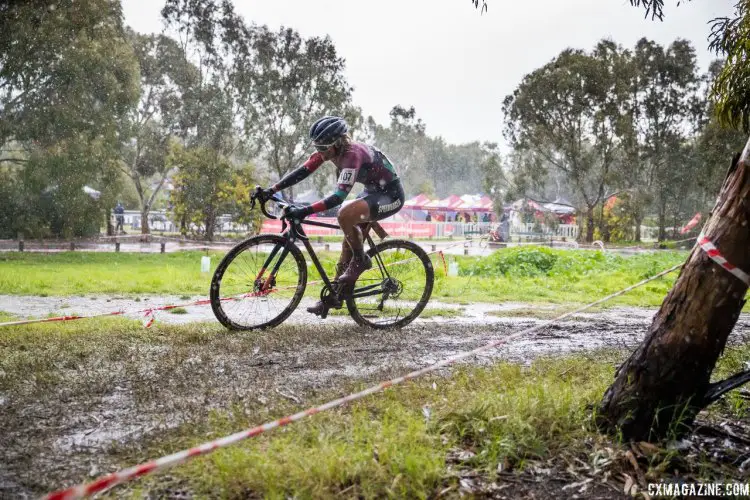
116,478
148,313
715,255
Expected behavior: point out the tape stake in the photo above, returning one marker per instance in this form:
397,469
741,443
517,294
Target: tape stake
445,265
715,255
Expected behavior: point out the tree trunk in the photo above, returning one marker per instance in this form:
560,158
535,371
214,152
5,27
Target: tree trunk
638,222
144,221
589,224
662,386
210,222
662,220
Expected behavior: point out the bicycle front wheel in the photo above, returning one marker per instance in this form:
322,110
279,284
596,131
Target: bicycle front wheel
396,289
259,283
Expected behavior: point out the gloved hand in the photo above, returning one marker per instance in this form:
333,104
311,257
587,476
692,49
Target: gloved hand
296,213
265,194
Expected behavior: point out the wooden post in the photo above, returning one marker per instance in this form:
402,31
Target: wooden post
434,248
163,245
327,247
72,246
20,242
117,245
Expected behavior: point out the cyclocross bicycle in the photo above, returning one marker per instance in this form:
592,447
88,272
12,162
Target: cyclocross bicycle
260,281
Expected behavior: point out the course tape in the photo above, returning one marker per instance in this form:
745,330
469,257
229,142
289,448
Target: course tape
115,478
148,313
715,255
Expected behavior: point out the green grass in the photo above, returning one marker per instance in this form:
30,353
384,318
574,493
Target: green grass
505,416
385,446
525,274
538,274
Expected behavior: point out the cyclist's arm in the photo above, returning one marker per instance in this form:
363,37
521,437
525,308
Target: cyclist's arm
299,173
349,171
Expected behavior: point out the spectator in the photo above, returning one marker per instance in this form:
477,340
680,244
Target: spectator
428,218
119,218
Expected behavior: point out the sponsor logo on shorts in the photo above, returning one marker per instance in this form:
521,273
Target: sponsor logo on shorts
389,207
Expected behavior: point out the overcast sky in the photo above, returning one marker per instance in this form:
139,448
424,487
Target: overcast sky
452,64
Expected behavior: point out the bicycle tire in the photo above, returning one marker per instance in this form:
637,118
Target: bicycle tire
419,253
217,304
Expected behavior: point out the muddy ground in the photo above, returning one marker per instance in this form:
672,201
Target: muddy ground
63,431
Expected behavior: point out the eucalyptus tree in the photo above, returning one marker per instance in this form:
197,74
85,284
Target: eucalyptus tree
405,141
67,76
290,82
167,81
566,114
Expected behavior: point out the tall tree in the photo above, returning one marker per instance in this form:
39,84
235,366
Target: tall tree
566,113
664,384
404,140
167,81
661,106
67,76
295,80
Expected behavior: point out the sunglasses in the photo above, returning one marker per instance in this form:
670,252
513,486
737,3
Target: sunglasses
323,147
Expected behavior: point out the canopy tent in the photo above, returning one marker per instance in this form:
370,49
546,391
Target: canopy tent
475,203
418,202
446,204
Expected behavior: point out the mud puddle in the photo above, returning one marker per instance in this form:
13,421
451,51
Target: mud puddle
66,430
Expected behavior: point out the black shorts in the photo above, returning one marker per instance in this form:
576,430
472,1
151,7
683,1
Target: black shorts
384,202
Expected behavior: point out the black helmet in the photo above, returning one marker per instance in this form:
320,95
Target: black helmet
326,130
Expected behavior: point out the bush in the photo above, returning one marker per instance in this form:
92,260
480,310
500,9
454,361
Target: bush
523,262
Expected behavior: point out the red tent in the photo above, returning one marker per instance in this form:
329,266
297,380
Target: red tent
483,204
448,204
418,202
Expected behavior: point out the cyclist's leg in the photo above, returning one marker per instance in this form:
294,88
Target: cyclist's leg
344,258
374,206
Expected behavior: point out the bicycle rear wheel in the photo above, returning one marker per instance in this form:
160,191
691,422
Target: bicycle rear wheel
259,283
396,289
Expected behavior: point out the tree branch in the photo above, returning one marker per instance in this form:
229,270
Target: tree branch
718,389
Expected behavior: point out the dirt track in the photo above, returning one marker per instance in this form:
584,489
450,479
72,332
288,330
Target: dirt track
127,392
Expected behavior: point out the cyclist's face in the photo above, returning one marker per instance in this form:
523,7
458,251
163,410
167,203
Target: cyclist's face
329,153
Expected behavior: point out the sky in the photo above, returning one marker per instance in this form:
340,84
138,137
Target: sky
453,64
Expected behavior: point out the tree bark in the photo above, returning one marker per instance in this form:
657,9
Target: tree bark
662,221
638,222
589,224
662,386
145,229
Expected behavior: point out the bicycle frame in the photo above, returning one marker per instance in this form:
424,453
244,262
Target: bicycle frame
294,231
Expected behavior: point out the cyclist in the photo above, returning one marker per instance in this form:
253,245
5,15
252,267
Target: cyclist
355,162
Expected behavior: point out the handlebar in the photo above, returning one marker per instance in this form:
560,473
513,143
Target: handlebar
275,198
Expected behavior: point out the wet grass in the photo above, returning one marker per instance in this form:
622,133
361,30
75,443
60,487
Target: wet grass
415,440
401,443
421,439
528,274
543,275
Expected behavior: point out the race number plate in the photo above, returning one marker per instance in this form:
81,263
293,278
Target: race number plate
347,176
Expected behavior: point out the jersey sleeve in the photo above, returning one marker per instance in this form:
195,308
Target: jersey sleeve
299,173
350,165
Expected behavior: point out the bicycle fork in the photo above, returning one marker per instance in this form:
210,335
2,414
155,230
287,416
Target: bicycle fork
265,286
